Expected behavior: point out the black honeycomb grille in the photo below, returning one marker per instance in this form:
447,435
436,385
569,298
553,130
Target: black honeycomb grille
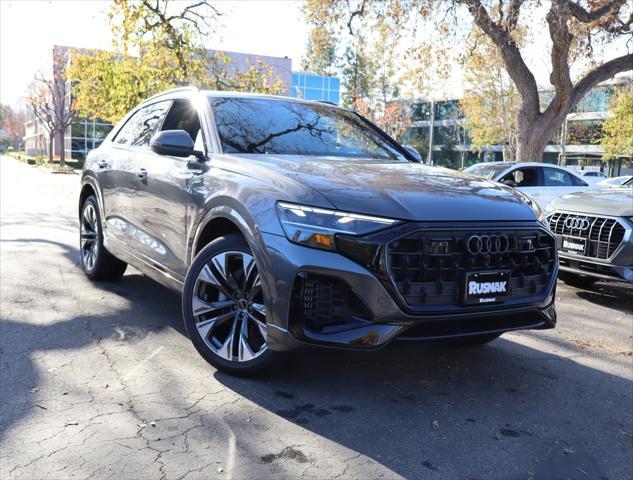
429,267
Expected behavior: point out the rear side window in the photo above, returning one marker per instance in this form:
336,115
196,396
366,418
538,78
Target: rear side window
523,177
553,177
140,127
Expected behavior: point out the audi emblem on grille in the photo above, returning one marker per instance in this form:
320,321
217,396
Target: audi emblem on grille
577,223
486,244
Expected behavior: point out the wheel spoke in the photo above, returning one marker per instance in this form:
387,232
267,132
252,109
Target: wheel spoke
200,307
225,350
244,351
205,327
259,308
224,277
261,326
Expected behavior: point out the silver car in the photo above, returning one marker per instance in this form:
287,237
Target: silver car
594,231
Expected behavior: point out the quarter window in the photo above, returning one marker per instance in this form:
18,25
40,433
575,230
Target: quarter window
140,127
553,177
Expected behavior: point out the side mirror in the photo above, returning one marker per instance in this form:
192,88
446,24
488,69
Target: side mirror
509,183
414,153
176,143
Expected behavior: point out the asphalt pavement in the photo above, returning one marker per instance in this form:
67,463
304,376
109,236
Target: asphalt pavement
99,380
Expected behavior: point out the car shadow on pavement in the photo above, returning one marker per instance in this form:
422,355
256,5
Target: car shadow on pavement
614,295
424,410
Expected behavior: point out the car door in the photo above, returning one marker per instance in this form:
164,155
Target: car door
164,191
558,181
527,180
121,174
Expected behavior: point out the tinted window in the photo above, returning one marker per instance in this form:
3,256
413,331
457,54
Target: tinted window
523,177
253,125
140,127
552,177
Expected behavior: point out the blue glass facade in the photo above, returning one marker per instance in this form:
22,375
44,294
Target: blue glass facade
316,87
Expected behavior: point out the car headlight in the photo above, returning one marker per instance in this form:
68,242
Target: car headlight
318,227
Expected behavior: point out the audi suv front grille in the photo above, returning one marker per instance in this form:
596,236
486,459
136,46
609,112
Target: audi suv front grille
603,235
429,267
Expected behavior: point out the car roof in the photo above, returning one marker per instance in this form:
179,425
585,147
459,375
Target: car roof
193,91
523,164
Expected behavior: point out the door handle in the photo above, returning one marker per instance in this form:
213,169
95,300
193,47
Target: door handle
102,164
142,174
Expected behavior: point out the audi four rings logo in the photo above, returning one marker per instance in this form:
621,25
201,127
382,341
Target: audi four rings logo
577,223
488,244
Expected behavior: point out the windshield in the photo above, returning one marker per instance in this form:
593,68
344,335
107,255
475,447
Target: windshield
486,170
285,127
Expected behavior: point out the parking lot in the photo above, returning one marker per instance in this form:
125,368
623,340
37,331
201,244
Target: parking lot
101,381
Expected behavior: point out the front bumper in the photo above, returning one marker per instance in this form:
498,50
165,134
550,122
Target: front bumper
384,317
592,267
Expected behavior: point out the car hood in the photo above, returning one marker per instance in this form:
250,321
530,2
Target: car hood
407,191
615,202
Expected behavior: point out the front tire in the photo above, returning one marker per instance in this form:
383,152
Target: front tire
224,310
96,262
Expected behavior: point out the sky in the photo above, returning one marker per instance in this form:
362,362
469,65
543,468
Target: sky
30,28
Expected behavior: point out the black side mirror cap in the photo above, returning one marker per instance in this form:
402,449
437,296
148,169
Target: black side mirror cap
176,143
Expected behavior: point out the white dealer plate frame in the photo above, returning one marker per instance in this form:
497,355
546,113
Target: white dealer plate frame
487,298
567,240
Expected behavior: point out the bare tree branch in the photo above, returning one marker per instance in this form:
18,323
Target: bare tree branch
512,58
587,16
359,12
600,74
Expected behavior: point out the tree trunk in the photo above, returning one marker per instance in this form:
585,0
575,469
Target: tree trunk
532,136
62,149
51,138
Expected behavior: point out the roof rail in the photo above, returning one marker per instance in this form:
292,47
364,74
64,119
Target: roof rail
173,90
327,102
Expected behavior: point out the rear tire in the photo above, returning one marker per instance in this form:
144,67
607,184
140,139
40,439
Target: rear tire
224,310
575,280
96,262
472,340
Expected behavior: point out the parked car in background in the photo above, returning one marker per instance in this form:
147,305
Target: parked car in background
286,223
594,231
592,176
541,181
614,182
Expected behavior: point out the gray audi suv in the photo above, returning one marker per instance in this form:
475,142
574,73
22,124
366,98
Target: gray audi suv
595,234
284,223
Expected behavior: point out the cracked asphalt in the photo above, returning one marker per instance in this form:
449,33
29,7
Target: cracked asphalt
100,381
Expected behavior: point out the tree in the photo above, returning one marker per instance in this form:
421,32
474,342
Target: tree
491,100
618,127
320,57
13,125
365,62
40,102
158,45
579,31
357,72
52,104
